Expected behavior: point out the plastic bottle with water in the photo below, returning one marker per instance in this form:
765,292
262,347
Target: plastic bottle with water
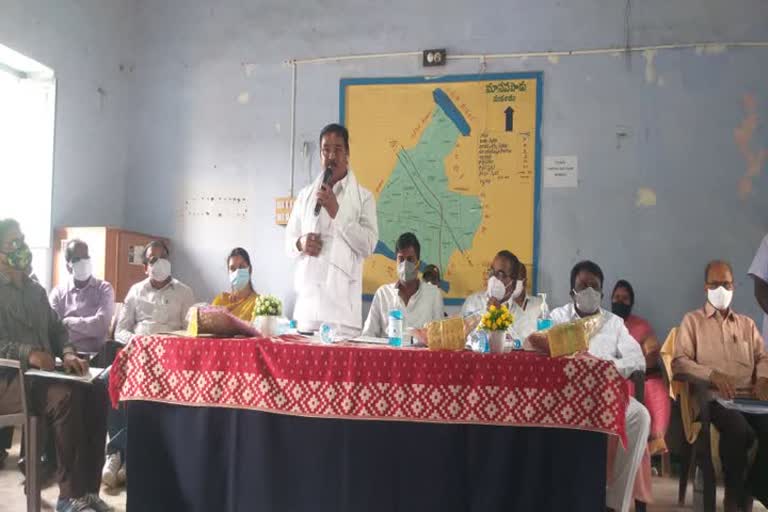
544,321
395,328
327,333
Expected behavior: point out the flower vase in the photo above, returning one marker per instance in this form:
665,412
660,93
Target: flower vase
267,325
496,341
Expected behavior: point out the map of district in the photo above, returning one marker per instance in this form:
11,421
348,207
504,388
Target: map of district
453,160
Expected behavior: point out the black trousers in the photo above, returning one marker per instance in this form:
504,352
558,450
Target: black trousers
738,432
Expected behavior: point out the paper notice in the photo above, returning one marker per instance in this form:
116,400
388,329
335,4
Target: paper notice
561,171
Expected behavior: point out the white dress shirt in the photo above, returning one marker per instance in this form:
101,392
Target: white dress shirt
150,311
759,269
612,342
526,317
424,306
329,287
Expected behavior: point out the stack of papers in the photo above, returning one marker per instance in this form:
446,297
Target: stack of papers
745,405
88,378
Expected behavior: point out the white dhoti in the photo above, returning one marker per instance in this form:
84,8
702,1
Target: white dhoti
625,465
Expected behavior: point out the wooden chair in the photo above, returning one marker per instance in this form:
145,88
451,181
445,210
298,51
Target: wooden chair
31,424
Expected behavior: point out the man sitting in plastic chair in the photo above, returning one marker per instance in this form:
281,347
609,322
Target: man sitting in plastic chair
724,349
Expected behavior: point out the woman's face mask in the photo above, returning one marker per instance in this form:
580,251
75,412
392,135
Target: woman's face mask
239,279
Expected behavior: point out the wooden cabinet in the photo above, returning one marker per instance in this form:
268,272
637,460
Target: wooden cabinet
116,255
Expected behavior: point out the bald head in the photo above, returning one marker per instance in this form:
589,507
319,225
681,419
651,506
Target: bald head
718,273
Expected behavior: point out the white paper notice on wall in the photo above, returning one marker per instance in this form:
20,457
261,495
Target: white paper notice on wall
561,171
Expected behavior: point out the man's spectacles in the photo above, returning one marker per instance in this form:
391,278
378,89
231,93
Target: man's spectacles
714,285
498,274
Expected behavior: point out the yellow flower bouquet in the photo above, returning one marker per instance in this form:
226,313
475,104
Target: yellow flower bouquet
497,319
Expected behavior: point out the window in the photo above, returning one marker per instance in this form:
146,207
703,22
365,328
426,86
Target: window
27,112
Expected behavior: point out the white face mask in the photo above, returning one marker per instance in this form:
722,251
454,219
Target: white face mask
720,298
407,271
518,289
82,270
160,270
496,289
239,279
587,300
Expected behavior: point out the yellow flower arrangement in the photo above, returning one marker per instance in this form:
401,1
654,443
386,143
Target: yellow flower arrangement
497,319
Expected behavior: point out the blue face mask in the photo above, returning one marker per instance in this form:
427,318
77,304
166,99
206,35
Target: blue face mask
239,279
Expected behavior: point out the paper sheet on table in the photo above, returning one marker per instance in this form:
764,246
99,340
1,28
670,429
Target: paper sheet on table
88,378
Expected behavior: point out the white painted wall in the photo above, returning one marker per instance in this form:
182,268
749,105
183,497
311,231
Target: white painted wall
214,113
90,46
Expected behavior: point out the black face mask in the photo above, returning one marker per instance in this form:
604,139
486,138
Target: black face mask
621,309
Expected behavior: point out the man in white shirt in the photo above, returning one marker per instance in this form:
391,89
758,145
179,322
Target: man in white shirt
505,285
612,343
525,308
420,302
759,272
157,304
331,231
501,284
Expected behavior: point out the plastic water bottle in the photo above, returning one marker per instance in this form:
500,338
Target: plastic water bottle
326,333
543,322
483,345
395,328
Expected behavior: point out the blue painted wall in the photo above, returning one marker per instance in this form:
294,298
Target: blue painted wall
212,115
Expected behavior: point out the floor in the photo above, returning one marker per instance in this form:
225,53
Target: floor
12,498
12,493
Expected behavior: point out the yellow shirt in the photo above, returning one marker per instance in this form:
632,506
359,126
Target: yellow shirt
241,308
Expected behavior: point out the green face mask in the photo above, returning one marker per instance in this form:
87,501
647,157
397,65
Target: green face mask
19,257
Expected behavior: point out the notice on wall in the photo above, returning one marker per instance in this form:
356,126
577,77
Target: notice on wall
561,171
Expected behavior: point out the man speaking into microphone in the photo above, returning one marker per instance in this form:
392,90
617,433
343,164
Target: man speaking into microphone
331,231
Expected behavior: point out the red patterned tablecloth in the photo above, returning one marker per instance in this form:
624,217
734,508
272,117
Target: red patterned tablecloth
290,375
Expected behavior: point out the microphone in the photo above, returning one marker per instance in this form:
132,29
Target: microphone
326,181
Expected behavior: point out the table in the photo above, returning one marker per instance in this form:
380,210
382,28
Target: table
282,424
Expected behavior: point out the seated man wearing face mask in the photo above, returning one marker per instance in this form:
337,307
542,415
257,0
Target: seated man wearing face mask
719,347
525,308
84,304
157,304
419,301
32,334
612,342
501,285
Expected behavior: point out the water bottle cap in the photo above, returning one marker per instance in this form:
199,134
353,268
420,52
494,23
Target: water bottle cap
396,314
